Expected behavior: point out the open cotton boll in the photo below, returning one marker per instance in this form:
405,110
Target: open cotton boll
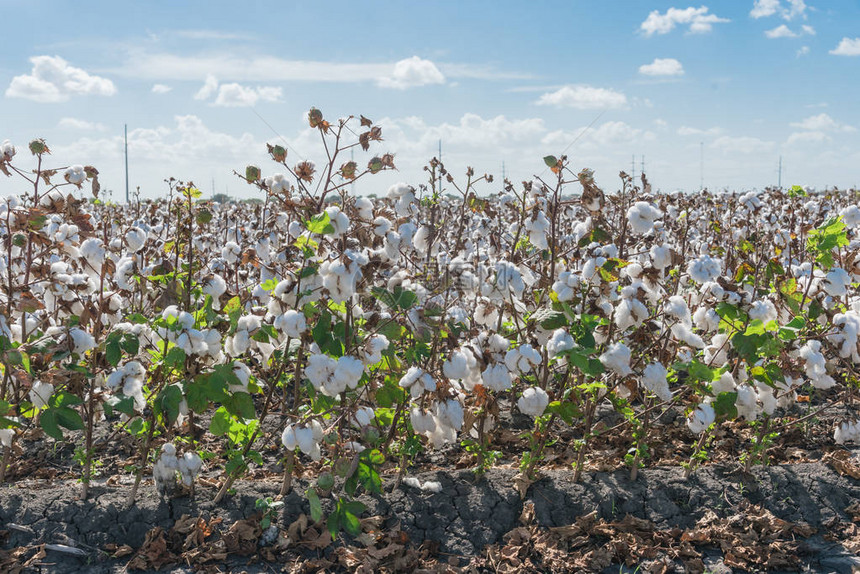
135,239
277,184
837,282
537,229
746,402
456,366
661,256
533,401
559,342
706,319
630,312
683,333
450,412
364,207
848,324
363,417
75,174
338,219
7,151
40,393
319,369
565,286
617,359
522,359
816,365
725,384
677,308
381,226
704,269
763,310
496,377
93,250
642,215
6,437
847,431
701,418
230,252
371,353
716,354
486,313
422,422
189,466
292,323
214,286
417,381
81,341
654,379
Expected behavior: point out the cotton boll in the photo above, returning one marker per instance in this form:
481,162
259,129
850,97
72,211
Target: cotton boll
533,402
40,394
746,402
81,341
135,239
725,384
417,381
683,333
654,379
381,226
630,313
837,282
661,256
641,216
706,319
230,252
189,465
363,417
559,342
704,269
338,219
701,418
847,431
456,367
75,174
522,359
617,359
6,437
763,310
677,308
292,323
496,377
319,369
422,422
373,348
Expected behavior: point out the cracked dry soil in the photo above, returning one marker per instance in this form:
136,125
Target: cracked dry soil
466,518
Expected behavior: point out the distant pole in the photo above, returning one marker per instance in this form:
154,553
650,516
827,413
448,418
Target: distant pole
440,150
779,180
633,167
642,167
126,163
701,166
503,172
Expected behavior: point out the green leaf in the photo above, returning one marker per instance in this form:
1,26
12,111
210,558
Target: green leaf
113,351
175,358
316,506
204,216
549,319
240,404
320,224
221,422
351,523
724,405
550,160
130,344
48,422
65,399
168,402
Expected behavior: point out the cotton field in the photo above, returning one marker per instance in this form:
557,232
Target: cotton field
345,338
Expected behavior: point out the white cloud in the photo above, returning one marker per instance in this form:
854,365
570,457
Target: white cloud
206,35
765,8
781,31
802,51
410,73
52,79
210,86
823,123
698,19
744,145
847,47
807,137
82,125
236,95
662,67
689,131
583,97
160,88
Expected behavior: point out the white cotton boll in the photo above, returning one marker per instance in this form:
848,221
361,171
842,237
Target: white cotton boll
450,412
661,256
81,341
215,286
230,252
763,310
349,370
642,215
746,402
75,174
381,226
725,384
432,486
457,366
767,398
850,216
847,431
684,334
277,184
135,239
422,422
564,287
338,219
704,269
630,313
371,353
40,394
848,324
486,313
295,229
716,354
617,359
560,341
292,323
421,239
706,319
363,416
364,207
497,343
6,437
522,359
654,379
836,282
496,377
417,381
677,308
189,465
319,369
7,151
288,438
701,418
533,402
816,365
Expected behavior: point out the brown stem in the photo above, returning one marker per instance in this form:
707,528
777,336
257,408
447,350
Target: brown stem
289,464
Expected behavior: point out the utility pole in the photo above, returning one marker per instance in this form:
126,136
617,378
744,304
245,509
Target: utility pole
633,167
126,163
642,167
503,172
779,180
440,150
701,166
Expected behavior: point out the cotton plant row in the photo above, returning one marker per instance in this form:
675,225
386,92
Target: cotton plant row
373,328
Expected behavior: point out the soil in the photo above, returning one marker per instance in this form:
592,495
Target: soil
472,520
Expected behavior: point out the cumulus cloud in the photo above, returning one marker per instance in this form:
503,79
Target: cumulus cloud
236,95
410,73
583,97
689,131
210,86
52,79
783,31
765,8
823,123
744,145
698,19
81,125
802,51
160,89
800,138
847,47
662,67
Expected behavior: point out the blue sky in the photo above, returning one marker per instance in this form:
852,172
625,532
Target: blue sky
741,83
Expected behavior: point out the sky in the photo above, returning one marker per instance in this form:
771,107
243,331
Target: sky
700,93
